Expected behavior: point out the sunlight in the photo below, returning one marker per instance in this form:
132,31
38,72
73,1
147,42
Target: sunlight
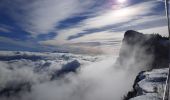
123,12
121,1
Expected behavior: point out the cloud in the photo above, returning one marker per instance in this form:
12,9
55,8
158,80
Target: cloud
12,41
122,17
86,84
105,21
145,22
4,30
89,84
108,26
39,17
113,17
99,42
97,79
42,16
14,44
161,30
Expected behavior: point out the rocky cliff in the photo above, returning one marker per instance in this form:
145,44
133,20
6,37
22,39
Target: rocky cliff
149,85
149,52
139,49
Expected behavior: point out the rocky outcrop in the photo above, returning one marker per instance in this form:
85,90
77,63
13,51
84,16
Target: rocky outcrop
149,85
149,50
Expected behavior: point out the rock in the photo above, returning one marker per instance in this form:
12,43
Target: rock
151,87
149,96
146,52
144,49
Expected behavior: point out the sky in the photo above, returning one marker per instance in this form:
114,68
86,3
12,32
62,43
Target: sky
78,26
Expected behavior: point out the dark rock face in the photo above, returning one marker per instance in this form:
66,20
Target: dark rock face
146,50
143,50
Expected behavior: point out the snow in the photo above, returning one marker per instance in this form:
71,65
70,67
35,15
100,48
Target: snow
149,96
152,86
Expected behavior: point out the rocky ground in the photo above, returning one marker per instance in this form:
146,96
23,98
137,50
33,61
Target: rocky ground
149,85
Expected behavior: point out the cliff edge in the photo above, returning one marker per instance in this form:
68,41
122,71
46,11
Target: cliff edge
144,50
149,85
150,53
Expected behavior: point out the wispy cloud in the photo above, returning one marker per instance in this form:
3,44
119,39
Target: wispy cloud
14,44
4,30
111,25
42,16
121,18
114,17
102,20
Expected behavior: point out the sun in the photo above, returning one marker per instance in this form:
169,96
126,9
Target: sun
121,1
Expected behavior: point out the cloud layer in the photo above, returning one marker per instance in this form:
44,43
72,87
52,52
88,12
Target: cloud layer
76,22
111,24
97,79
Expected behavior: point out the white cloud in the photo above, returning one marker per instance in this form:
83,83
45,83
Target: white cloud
161,30
146,19
105,35
5,28
96,79
111,17
62,36
114,17
42,16
131,17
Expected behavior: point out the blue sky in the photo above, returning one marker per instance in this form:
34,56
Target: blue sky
79,26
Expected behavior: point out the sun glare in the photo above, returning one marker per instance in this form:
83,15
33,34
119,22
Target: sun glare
121,1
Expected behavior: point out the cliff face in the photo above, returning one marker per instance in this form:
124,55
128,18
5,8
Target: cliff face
149,50
145,52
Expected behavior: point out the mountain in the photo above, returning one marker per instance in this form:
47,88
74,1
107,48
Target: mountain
149,50
150,53
66,76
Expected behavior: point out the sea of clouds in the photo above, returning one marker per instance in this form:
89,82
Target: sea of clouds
95,79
